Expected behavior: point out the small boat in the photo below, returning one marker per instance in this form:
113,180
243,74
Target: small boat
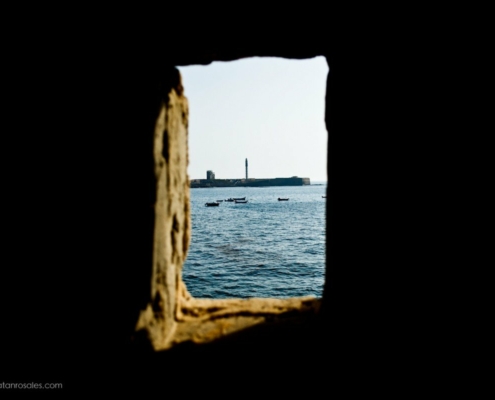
240,201
231,199
239,198
283,199
324,197
219,201
213,204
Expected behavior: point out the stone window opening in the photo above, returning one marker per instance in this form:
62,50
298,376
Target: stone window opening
173,316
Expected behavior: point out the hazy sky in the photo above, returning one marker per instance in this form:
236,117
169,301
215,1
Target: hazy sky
268,110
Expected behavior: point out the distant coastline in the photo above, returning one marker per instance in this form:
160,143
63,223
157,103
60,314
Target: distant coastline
252,182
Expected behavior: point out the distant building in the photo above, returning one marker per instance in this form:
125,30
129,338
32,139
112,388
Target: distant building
293,181
210,175
211,181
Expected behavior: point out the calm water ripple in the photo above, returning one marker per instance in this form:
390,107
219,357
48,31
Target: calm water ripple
264,248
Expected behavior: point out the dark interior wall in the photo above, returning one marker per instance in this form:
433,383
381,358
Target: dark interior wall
78,195
80,183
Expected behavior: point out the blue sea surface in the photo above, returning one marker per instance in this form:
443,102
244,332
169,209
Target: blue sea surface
264,248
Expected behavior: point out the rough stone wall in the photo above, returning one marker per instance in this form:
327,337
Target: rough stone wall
172,216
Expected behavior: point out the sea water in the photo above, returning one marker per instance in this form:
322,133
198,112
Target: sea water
263,248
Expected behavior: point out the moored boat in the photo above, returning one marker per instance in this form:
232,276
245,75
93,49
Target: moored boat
240,201
283,199
212,204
